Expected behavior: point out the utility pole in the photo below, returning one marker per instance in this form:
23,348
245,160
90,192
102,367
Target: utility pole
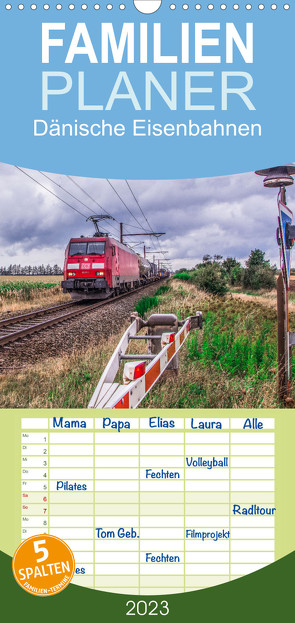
280,177
143,233
282,332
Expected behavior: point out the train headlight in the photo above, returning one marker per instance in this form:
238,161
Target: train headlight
71,274
99,273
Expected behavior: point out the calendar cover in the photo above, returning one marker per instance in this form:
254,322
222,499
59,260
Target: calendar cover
147,170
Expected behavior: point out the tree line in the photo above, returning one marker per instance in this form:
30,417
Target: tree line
17,269
215,274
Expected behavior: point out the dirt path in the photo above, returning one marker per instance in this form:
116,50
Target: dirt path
268,300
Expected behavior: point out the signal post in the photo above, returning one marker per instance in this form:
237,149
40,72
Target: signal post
280,177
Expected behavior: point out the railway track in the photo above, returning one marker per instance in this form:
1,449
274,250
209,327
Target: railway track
22,326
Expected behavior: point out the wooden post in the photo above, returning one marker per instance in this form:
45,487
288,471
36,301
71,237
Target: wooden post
121,232
283,359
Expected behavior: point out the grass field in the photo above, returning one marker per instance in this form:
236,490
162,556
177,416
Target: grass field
30,278
231,363
23,292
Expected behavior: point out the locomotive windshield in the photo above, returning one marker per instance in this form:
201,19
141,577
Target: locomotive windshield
95,248
87,248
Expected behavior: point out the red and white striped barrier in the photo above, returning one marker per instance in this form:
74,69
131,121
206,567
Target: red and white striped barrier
110,395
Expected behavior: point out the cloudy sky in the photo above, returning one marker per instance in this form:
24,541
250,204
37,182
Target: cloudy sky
228,216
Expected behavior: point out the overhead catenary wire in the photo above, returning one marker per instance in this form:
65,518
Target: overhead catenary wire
95,201
108,213
50,191
57,196
71,195
89,196
138,204
159,250
126,206
83,190
98,204
66,191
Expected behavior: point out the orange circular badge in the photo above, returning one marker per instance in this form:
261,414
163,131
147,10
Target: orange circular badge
43,565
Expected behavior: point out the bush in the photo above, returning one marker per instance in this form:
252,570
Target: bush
260,277
211,278
233,269
183,276
258,272
236,275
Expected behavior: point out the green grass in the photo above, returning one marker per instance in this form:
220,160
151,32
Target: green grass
145,304
148,302
253,293
234,349
231,363
183,276
78,381
162,290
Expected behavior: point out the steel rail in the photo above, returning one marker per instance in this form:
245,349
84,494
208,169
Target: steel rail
34,314
21,333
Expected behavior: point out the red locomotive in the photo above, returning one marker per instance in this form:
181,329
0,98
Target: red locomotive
98,267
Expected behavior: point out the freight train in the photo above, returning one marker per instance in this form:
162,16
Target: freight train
163,273
99,267
147,270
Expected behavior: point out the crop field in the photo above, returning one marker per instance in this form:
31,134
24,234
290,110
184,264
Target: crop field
30,278
22,292
230,363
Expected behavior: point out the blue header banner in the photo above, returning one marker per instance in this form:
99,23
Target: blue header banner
147,89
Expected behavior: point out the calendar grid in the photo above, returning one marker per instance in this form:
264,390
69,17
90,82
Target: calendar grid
93,509
48,486
141,481
229,511
139,513
184,514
